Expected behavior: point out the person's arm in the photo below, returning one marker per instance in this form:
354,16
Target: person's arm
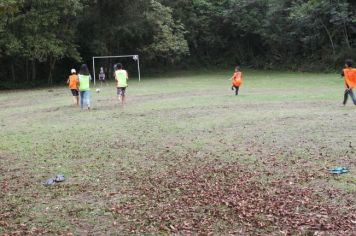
343,75
346,85
233,77
77,79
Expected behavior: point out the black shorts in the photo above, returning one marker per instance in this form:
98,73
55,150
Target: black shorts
75,92
121,91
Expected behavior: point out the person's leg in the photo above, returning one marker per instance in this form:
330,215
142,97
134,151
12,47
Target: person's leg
119,95
73,95
76,97
123,96
82,99
352,95
346,96
87,98
237,90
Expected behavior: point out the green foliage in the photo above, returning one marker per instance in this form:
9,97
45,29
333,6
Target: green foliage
47,31
168,36
143,27
324,27
290,34
10,45
40,31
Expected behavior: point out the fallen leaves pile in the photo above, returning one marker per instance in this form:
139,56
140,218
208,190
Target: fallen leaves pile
229,198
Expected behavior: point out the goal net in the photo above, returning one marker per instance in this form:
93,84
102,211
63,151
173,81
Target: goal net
134,57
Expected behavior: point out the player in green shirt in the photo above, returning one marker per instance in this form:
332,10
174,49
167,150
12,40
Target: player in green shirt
84,86
121,77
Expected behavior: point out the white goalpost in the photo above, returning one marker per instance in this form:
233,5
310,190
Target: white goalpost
134,57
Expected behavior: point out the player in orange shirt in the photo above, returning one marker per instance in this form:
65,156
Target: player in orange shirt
73,86
349,75
236,80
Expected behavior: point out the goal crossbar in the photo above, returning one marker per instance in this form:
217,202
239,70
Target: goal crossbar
134,57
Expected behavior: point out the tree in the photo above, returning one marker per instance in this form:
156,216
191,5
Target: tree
41,31
167,42
36,35
320,22
10,45
132,27
48,31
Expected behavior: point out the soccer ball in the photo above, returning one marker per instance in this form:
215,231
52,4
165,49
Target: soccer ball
98,90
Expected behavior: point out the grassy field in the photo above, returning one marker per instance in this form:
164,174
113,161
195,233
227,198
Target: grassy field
185,156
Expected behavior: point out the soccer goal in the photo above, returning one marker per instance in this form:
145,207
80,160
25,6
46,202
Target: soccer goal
134,57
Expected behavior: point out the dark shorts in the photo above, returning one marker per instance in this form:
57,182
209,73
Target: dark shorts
75,92
121,91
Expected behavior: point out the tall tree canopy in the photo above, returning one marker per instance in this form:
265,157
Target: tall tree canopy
40,38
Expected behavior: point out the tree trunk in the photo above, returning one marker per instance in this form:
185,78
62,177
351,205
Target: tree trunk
13,71
52,63
330,37
33,70
346,36
27,72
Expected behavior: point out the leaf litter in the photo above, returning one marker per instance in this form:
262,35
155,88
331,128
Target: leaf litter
196,199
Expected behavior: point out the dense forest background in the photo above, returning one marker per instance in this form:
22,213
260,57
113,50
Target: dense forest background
40,40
